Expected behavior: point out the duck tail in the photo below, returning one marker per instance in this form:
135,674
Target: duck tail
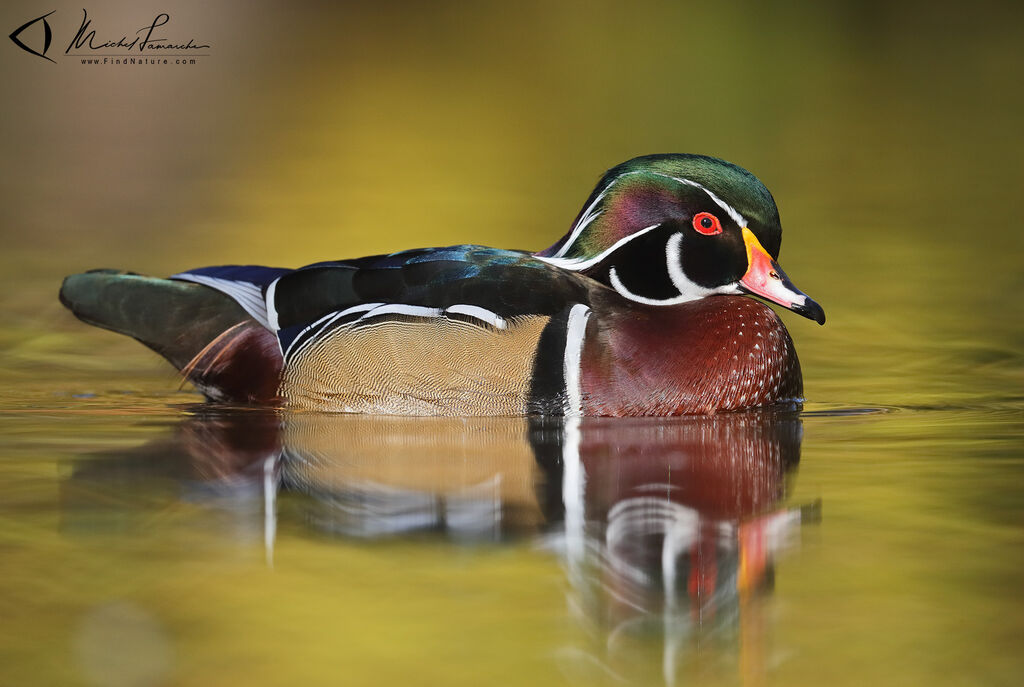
204,333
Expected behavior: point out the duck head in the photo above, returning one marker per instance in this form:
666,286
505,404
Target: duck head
667,229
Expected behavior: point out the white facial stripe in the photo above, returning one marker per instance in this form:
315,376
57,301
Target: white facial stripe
576,329
688,289
590,215
577,264
626,293
673,258
736,216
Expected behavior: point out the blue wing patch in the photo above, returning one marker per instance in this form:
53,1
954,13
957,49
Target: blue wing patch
252,274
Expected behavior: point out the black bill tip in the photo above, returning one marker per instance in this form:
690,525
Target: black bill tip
810,310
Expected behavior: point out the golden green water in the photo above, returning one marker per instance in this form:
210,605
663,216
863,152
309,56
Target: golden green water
874,538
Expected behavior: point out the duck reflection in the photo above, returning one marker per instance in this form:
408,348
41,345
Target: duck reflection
469,479
673,528
670,526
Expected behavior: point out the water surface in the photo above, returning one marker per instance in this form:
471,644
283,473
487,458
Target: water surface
874,537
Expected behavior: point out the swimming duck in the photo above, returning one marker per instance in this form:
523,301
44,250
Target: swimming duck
640,309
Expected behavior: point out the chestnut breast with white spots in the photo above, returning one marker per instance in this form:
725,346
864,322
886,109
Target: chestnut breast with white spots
716,353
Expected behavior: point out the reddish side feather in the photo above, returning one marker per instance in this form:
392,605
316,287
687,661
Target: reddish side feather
242,365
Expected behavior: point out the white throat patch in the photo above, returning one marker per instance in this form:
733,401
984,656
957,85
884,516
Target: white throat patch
688,289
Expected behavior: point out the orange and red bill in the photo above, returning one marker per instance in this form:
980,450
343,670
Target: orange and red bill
764,278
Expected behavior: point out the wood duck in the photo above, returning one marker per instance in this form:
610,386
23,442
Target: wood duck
637,310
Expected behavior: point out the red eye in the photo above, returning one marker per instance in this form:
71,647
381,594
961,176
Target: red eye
707,224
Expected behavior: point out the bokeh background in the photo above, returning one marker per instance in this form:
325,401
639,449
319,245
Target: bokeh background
890,134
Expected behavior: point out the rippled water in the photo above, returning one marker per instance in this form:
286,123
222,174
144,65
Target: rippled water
875,537
150,540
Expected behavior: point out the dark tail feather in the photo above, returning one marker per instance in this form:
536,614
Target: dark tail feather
202,332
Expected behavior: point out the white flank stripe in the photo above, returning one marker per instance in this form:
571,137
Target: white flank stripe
574,483
325,321
402,309
376,309
270,484
575,332
246,294
577,264
272,320
491,318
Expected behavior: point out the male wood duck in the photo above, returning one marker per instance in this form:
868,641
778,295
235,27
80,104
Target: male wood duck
637,310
